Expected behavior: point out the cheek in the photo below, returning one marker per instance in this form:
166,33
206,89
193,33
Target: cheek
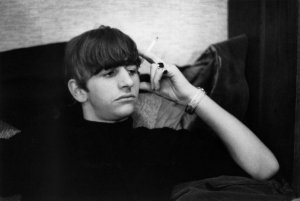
136,86
102,95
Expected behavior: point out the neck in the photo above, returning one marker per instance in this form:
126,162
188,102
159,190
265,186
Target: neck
106,121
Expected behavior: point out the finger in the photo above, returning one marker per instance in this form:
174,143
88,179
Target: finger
144,68
149,56
146,86
153,68
157,77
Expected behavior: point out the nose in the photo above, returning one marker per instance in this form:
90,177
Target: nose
125,80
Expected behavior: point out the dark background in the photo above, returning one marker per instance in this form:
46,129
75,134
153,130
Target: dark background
271,70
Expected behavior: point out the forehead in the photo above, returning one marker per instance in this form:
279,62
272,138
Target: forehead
116,68
120,66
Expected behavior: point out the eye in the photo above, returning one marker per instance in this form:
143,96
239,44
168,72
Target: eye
109,73
132,70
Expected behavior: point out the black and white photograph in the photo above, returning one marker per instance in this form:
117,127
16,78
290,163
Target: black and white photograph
149,100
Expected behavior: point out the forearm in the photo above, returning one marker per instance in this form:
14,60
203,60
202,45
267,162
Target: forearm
245,148
243,145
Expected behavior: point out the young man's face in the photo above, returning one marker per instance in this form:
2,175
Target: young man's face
112,94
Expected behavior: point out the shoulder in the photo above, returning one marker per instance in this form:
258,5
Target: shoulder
183,138
164,136
172,133
161,133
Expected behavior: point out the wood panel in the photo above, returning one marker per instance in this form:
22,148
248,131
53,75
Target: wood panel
271,26
296,172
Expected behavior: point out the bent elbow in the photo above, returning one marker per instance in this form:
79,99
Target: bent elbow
267,171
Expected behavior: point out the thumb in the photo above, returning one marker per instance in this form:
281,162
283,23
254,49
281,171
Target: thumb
146,86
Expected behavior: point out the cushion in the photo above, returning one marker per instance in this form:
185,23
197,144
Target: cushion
11,198
220,70
233,188
32,84
7,131
8,155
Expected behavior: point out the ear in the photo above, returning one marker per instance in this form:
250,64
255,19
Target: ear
78,93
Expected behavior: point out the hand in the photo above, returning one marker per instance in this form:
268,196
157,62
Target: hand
168,81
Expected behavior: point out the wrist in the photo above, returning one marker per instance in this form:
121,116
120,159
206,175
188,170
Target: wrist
195,100
190,94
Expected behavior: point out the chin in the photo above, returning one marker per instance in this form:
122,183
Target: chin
125,111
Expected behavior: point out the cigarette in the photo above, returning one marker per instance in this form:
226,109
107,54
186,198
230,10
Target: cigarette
152,44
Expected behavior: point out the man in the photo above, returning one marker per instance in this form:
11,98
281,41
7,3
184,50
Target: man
101,157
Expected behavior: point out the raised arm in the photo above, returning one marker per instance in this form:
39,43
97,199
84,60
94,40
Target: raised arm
243,145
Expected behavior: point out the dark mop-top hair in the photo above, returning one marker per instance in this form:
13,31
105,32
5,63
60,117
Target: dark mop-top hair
102,48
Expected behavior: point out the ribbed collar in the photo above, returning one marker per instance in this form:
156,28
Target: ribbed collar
123,126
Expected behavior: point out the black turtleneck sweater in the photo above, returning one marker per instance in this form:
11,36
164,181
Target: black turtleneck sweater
101,161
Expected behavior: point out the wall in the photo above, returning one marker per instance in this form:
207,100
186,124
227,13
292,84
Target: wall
184,27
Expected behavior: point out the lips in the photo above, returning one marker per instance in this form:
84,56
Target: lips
126,97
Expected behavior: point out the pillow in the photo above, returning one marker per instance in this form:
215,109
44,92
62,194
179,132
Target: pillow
7,159
11,198
220,71
7,131
32,84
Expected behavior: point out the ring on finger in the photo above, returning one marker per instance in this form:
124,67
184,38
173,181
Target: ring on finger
160,65
163,69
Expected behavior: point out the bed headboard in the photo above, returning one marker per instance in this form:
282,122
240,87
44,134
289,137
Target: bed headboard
33,88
